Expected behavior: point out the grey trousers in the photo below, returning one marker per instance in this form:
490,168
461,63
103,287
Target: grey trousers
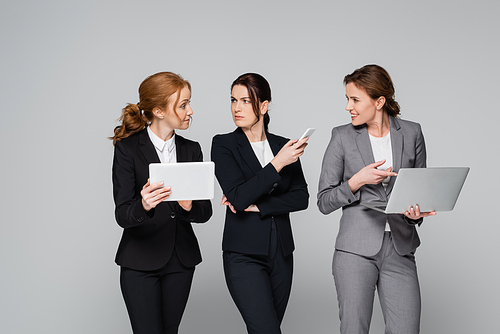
395,278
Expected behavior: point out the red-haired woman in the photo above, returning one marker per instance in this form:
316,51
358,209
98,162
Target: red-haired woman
373,250
158,250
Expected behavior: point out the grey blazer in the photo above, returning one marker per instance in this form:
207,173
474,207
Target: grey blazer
361,229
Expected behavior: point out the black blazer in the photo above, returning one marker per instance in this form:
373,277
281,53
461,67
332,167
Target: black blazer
149,238
244,182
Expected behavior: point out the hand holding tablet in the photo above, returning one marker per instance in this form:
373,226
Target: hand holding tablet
186,180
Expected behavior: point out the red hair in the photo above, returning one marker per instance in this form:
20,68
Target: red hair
154,92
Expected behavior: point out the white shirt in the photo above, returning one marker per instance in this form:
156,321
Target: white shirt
165,149
382,149
263,152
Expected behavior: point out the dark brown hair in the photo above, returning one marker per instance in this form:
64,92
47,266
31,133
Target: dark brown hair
376,82
259,91
154,92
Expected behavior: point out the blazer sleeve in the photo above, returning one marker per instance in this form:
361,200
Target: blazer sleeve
129,211
333,190
242,193
296,197
201,211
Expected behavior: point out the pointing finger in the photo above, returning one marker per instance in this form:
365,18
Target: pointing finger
385,173
377,164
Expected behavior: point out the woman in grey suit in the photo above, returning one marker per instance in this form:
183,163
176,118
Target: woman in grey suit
373,250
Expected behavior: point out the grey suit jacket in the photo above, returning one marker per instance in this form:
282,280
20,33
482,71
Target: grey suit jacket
361,229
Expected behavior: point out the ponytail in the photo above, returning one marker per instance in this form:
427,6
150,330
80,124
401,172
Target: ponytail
392,107
132,122
154,92
267,119
376,82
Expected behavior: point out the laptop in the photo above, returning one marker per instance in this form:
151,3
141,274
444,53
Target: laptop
188,180
433,189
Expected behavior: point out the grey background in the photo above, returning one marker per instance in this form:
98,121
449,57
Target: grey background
68,67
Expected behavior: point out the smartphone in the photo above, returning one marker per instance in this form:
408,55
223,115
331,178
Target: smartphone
308,133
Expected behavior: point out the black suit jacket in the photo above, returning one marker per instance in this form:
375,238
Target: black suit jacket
149,238
244,182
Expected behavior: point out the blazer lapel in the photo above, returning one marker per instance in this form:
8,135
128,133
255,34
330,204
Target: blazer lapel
182,156
274,143
365,149
180,149
364,146
147,148
246,151
397,143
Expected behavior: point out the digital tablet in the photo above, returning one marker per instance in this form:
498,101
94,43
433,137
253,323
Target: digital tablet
188,180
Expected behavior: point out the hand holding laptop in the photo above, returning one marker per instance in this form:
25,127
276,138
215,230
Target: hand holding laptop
414,213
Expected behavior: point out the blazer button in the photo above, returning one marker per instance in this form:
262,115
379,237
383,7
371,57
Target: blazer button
140,219
172,215
349,200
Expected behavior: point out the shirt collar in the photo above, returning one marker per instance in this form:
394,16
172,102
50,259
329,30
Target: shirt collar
159,143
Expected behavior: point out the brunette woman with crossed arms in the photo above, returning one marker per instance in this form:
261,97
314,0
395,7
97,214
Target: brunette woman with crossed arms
158,251
262,181
373,250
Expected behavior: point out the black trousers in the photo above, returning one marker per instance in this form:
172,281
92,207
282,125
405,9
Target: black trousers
156,299
260,286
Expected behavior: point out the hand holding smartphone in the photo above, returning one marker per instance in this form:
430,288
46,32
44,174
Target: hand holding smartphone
308,133
290,153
